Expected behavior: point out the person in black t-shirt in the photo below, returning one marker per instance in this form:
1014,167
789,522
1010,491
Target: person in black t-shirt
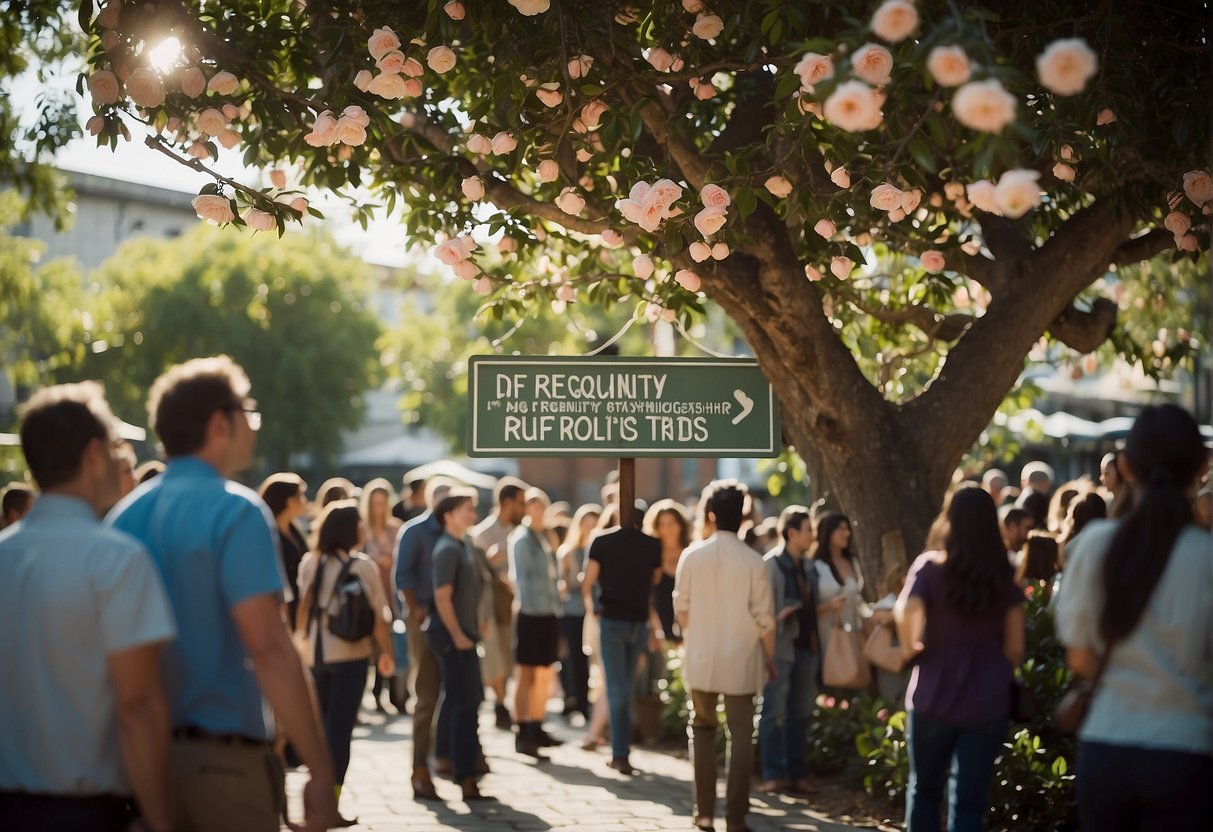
626,564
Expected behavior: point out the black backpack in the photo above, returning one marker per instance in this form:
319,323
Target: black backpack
350,614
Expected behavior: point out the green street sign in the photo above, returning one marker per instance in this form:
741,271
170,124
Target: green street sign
541,405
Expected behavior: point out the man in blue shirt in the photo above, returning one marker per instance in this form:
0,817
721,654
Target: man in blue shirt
415,583
83,720
213,542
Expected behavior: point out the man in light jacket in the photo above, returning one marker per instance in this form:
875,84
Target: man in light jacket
722,598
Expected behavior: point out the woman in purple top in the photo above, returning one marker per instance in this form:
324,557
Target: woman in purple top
960,617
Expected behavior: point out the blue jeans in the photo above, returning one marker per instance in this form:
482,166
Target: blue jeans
575,667
967,752
622,644
339,688
463,691
1154,789
783,726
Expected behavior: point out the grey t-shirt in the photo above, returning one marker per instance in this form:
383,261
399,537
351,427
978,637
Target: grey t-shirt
454,565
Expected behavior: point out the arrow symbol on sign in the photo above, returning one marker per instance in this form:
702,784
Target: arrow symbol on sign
747,405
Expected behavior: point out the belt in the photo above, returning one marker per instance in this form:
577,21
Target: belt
193,732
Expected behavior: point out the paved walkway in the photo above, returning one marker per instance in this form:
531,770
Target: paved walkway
574,790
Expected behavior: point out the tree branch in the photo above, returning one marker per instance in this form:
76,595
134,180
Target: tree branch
935,325
1142,247
1002,238
1085,330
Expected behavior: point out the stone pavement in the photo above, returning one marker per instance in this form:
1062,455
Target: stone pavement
574,790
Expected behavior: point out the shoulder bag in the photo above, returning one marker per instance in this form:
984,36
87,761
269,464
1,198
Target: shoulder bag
844,665
882,649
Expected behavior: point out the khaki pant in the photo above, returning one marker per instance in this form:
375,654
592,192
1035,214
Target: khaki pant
739,722
425,678
219,787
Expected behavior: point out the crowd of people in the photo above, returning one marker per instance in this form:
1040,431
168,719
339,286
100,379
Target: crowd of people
181,639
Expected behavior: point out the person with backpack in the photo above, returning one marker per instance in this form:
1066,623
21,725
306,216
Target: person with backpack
343,608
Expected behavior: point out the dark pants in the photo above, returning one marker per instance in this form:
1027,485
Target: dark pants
623,642
463,691
787,704
21,812
339,688
1154,790
575,669
959,757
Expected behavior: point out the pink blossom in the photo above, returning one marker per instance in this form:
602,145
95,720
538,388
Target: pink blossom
213,209
110,12
412,88
110,41
503,143
720,251
1066,153
440,59
710,220
778,186
95,125
357,115
388,85
949,65
688,280
199,150
612,238
932,261
362,81
825,228
705,91
853,107
466,270
592,113
259,220
707,26
530,8
841,177
413,68
103,87
984,106
660,59
570,201
483,286
981,194
579,66
1066,65
549,97
299,203
473,188
886,197
231,112
700,251
1105,116
872,63
1063,172
812,272
223,83
228,138
479,144
382,41
1017,192
548,170
714,196
1187,242
507,244
813,68
278,178
391,62
1198,186
895,20
642,266
840,267
692,6
145,88
193,82
566,293
584,154
1177,223
897,215
454,10
910,201
454,250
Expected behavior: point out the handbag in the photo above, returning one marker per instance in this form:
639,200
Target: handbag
844,665
1071,709
882,649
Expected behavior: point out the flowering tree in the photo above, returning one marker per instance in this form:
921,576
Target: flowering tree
895,202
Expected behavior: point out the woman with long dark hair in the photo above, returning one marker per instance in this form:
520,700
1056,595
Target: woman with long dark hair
960,617
838,576
1135,614
285,494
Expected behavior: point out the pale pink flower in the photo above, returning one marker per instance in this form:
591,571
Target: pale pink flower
473,188
391,62
357,115
1198,186
812,272
591,114
812,68
199,150
660,59
692,6
454,10
1066,66
714,196
440,59
259,220
841,177
566,293
479,144
984,106
981,194
382,41
507,244
95,125
886,197
530,8
503,143
932,261
548,170
103,87
1187,242
778,186
278,178
549,97
910,201
223,83
454,250
825,228
612,238
108,17
1017,192
412,88
949,66
388,85
853,107
953,190
145,88
231,112
687,279
1063,172
720,251
840,267
483,286
895,20
704,91
213,209
1177,223
228,138
872,63
299,203
413,68
665,191
642,266
579,66
350,130
466,270
710,220
699,251
570,201
707,26
897,215
362,81
1105,116
193,82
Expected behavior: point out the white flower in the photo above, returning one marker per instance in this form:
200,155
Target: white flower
895,20
707,26
853,107
1066,66
984,106
1017,192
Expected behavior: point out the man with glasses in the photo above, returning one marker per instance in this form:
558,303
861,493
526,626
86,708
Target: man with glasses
214,544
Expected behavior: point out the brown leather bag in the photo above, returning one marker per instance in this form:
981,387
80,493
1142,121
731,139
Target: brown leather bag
844,665
881,650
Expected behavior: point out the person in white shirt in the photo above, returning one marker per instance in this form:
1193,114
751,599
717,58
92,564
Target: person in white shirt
723,602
